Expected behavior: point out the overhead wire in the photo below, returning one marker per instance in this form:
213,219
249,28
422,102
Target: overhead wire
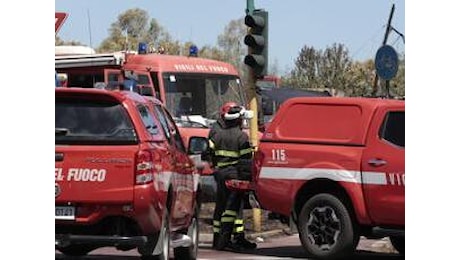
371,39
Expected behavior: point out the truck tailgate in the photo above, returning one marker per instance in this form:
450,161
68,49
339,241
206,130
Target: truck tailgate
103,173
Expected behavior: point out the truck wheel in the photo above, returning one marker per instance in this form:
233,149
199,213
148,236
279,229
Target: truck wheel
326,229
191,252
76,250
399,244
159,243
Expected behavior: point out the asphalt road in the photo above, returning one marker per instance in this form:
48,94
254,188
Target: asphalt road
274,248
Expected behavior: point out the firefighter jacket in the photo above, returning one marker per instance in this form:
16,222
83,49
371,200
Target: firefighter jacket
230,146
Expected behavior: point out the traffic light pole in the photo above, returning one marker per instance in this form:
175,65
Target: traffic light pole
256,213
250,6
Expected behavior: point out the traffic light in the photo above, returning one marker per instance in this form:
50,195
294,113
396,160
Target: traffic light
257,41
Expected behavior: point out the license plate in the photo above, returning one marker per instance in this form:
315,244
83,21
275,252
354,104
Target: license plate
65,213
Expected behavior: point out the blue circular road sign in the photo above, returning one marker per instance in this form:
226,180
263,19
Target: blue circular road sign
386,62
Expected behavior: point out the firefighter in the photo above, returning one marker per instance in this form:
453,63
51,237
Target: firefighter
231,157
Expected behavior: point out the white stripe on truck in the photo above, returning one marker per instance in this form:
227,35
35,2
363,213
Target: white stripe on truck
285,173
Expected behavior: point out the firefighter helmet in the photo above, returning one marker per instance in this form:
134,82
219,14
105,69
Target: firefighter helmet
230,111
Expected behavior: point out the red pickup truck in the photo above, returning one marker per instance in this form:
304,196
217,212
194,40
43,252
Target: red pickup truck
122,176
336,166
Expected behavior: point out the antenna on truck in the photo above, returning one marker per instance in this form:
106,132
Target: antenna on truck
89,29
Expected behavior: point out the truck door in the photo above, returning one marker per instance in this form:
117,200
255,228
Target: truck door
182,168
383,167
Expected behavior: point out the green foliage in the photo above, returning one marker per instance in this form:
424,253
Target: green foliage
58,42
230,43
134,22
398,83
334,69
133,26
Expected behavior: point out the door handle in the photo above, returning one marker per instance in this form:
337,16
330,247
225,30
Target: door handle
377,162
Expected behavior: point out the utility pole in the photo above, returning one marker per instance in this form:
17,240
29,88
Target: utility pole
387,32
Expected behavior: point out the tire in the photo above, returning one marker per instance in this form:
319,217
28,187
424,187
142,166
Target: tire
161,242
326,228
76,250
191,252
399,244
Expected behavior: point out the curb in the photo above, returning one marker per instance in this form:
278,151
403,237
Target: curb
206,238
266,234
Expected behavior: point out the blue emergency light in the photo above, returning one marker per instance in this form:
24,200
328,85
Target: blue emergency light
142,49
193,51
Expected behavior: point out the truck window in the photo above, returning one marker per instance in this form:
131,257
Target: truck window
148,120
393,128
92,121
169,127
206,91
84,79
175,132
163,123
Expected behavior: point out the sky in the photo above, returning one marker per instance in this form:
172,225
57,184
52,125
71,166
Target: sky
358,24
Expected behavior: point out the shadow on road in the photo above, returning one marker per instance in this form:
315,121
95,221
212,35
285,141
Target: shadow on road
298,252
291,252
98,257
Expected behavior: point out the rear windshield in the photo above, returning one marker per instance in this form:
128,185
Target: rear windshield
87,122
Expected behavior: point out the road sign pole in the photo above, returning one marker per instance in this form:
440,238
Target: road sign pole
385,38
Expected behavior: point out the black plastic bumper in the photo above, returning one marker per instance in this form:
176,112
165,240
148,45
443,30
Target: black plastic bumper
63,240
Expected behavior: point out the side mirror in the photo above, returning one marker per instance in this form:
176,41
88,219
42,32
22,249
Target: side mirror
197,145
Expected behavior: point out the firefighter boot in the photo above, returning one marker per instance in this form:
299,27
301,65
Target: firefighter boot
224,241
241,242
215,240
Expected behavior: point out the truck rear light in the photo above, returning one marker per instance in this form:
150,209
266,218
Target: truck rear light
144,167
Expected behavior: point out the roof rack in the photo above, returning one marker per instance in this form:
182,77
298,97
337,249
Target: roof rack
72,61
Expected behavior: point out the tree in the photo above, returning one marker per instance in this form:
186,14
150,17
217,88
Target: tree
230,43
398,83
134,22
157,36
211,52
306,71
334,69
360,79
334,66
58,41
126,32
133,27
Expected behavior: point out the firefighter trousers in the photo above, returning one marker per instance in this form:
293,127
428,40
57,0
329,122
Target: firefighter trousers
228,211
